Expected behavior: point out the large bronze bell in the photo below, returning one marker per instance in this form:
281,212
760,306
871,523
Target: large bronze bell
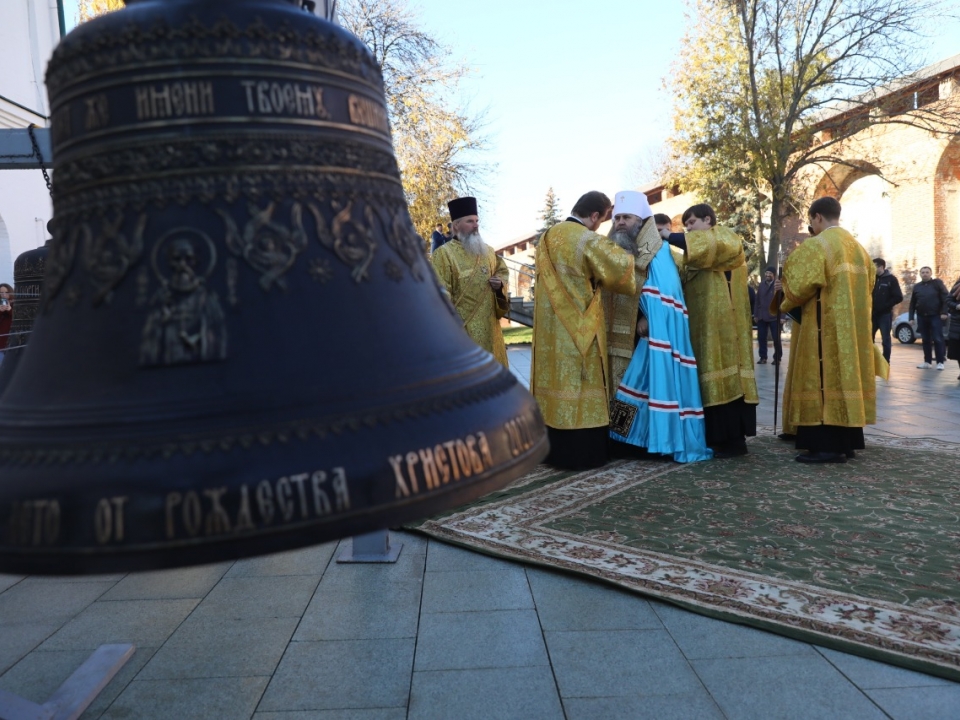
241,347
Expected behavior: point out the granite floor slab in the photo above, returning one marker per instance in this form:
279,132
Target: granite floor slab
192,582
388,611
491,694
141,622
479,590
569,603
192,699
794,688
688,706
474,640
208,647
634,662
260,597
342,674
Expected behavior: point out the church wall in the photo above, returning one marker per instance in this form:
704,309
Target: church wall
919,225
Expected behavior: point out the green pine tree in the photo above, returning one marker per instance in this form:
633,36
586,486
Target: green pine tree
550,215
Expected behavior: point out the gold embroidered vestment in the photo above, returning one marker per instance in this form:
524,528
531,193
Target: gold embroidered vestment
621,313
465,277
569,375
835,269
720,315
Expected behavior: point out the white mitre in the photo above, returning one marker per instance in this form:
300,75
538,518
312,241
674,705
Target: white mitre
631,202
649,242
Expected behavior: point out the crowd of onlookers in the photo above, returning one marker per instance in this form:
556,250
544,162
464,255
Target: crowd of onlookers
930,305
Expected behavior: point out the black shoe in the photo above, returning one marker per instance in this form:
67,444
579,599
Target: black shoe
762,361
851,454
776,362
729,451
821,457
787,436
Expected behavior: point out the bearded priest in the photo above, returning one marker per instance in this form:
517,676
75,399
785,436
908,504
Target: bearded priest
475,277
569,376
657,404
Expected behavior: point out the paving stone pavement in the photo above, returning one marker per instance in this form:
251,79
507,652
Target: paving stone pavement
450,634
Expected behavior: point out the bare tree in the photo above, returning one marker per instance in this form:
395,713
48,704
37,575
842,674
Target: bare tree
797,79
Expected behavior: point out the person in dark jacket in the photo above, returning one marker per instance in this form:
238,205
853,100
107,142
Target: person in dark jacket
927,304
765,319
438,238
953,336
886,296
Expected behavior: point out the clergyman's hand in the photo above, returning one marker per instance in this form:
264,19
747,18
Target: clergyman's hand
495,283
777,285
643,328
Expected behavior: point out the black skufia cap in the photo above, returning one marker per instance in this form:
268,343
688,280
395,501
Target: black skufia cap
461,207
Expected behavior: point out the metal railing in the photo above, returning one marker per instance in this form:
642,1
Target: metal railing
521,288
522,277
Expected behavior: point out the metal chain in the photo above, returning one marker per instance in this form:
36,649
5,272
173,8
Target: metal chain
39,156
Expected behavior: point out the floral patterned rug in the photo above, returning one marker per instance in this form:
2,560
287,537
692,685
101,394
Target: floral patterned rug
862,557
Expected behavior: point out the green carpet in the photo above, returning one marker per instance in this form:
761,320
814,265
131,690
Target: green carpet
862,557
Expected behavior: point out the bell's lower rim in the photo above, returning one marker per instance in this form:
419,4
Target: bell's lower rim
70,561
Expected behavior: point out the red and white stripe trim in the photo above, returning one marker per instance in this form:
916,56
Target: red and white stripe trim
664,346
667,300
662,405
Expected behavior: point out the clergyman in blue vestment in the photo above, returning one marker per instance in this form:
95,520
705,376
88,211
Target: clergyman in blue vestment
657,404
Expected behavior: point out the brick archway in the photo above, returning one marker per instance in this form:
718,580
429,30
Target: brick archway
838,179
946,213
867,203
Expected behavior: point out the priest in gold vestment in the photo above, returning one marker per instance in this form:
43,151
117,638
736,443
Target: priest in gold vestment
714,274
475,277
830,390
569,376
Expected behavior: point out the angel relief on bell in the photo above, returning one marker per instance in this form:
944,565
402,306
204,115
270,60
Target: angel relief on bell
109,254
349,237
269,247
186,323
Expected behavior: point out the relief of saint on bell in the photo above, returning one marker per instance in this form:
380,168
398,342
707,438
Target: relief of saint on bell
186,323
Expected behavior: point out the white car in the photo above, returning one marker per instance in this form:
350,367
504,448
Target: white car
905,329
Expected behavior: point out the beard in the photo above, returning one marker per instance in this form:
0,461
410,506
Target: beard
625,240
472,243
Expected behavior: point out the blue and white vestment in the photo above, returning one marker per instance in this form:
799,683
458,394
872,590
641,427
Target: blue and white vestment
658,405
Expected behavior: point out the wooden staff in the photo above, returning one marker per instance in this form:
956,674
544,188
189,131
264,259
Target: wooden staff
778,298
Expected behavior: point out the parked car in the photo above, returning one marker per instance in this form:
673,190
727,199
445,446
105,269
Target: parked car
905,329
